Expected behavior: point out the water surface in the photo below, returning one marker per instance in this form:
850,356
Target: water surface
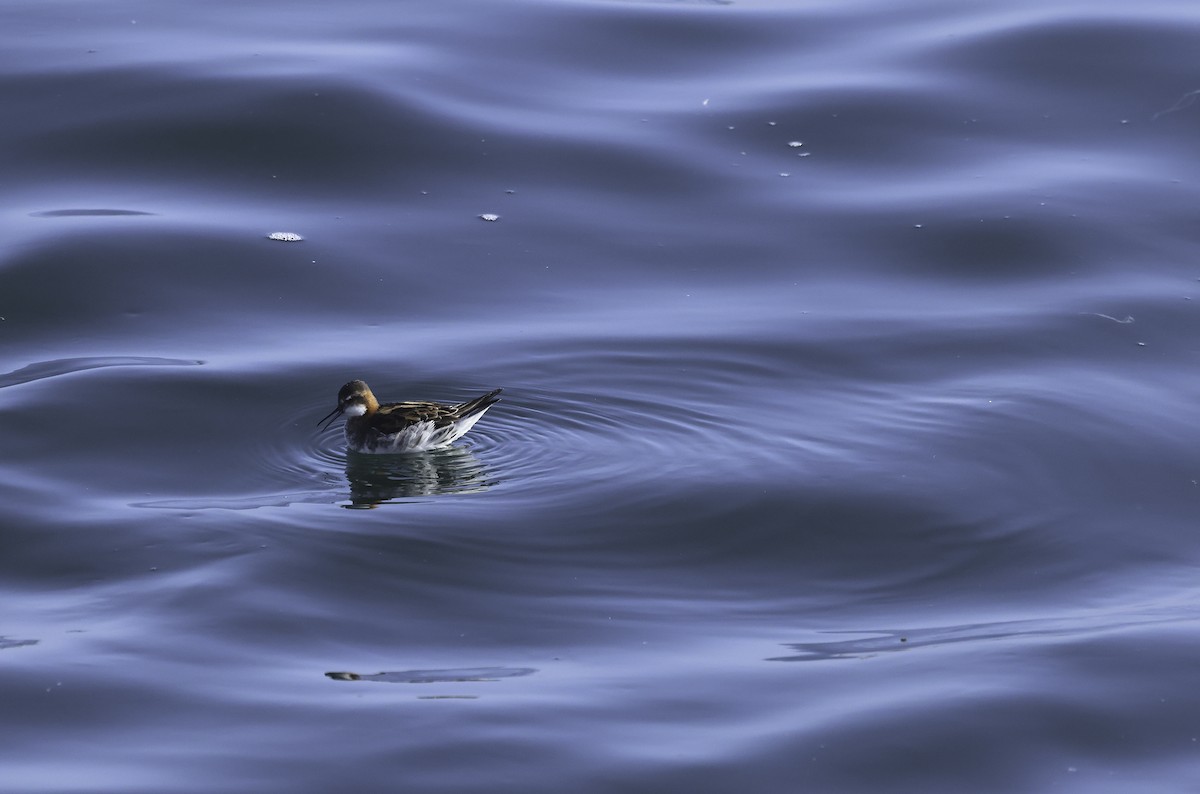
847,440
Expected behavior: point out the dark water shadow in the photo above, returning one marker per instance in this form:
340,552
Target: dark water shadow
7,642
255,502
86,213
64,366
376,479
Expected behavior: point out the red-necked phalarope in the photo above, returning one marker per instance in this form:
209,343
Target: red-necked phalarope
403,427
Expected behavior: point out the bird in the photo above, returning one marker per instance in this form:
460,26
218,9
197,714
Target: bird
376,428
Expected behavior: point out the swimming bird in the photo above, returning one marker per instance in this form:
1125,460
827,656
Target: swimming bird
406,426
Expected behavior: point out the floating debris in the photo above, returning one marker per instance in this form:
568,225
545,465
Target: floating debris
451,676
795,144
490,217
285,237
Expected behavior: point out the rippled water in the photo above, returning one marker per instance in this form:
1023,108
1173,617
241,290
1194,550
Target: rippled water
847,440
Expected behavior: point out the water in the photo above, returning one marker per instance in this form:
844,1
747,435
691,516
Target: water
867,464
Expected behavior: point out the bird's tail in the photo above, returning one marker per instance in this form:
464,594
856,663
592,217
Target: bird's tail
479,404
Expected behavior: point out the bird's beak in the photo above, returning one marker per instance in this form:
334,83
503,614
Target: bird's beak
328,420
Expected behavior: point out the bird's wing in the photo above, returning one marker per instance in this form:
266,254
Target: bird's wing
394,417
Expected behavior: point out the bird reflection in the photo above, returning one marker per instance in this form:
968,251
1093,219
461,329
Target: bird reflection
375,479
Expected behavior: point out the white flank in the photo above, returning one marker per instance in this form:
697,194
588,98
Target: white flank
420,437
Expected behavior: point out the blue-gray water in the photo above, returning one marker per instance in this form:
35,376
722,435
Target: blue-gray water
849,439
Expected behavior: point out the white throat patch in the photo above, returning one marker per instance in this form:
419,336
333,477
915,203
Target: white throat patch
356,409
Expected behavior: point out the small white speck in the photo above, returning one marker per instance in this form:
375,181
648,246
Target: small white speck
704,103
784,173
490,217
285,237
918,226
795,144
770,124
1141,344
